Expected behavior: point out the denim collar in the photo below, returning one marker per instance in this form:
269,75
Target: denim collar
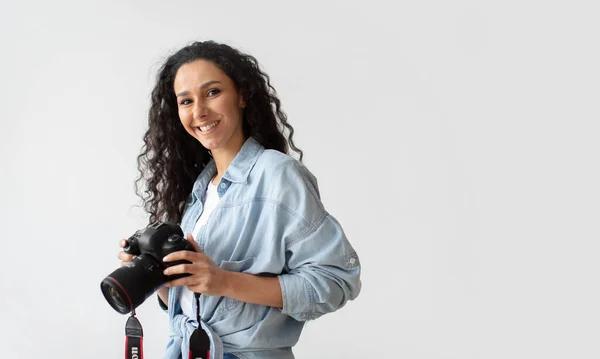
242,164
237,172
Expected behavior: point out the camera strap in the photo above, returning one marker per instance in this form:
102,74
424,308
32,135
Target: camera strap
134,336
199,340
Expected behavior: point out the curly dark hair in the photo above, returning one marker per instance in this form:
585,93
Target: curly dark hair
171,159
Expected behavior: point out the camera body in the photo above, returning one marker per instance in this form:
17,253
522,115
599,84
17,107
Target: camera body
130,285
157,241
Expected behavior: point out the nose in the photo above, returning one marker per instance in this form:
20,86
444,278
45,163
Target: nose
200,110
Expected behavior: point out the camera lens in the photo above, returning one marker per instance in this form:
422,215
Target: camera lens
129,286
115,296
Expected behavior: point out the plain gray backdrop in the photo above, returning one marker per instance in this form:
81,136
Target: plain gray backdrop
457,143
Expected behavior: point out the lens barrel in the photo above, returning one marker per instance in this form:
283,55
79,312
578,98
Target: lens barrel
130,285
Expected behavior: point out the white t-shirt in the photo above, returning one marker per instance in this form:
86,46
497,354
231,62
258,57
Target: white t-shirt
210,202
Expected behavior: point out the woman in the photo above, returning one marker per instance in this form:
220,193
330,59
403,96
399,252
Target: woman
268,255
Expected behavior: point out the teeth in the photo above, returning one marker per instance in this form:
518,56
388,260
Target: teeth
208,127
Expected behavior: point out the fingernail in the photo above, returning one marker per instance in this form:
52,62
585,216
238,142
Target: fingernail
165,259
166,271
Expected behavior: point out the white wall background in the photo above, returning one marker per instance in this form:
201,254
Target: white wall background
456,141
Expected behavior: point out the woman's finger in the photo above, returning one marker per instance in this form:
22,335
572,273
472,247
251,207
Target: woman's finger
125,257
185,281
189,268
184,255
190,238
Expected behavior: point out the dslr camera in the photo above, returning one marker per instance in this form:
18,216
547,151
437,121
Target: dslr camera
131,284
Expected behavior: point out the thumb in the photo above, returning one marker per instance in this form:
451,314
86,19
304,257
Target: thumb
190,238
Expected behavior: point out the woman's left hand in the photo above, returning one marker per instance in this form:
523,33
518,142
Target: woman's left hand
206,277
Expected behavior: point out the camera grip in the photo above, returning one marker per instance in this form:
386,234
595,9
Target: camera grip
177,243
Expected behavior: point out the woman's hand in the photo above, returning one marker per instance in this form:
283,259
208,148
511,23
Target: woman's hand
206,277
124,257
209,279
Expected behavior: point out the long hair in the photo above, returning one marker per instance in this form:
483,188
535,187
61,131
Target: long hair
171,159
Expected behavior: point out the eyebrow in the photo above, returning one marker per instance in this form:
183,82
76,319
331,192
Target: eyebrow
183,93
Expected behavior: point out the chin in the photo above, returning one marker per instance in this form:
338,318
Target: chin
210,145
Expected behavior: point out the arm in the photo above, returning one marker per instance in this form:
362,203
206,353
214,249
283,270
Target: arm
324,273
253,289
209,279
323,268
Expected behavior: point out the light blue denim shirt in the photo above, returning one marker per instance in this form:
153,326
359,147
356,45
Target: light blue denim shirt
269,221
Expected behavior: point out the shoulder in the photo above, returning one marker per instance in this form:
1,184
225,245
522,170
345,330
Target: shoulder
269,159
287,180
275,166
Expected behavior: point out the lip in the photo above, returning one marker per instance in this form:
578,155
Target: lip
197,128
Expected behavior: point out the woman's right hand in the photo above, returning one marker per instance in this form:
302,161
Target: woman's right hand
124,257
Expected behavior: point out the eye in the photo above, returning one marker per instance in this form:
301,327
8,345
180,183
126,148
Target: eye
185,101
214,92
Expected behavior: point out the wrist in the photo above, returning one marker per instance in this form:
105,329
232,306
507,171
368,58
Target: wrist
226,283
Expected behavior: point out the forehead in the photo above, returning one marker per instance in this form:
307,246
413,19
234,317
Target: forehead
198,72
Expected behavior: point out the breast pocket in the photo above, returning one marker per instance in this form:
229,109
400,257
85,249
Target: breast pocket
229,304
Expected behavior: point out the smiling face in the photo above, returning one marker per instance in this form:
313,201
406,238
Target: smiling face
210,107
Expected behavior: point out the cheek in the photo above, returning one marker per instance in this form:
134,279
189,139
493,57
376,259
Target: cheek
235,113
186,122
185,118
229,108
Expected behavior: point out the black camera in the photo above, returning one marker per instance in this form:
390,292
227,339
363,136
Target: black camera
131,284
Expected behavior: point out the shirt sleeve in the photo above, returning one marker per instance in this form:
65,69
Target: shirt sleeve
324,273
323,269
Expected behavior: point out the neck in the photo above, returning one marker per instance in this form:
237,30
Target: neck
224,156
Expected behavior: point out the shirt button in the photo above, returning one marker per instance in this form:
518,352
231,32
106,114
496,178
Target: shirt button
223,185
352,260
